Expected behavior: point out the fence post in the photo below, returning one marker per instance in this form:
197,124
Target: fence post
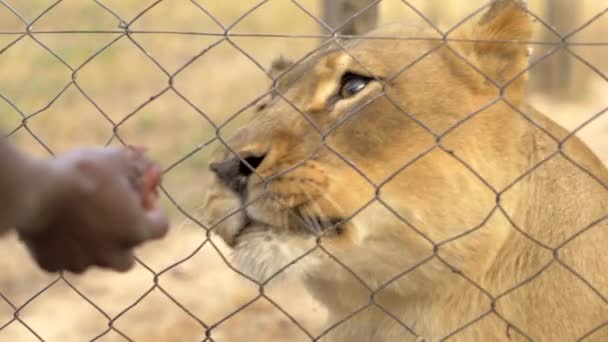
337,12
556,74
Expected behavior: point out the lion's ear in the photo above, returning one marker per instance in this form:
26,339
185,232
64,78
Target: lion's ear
499,47
279,66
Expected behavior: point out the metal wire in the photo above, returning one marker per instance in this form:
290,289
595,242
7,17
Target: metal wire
125,32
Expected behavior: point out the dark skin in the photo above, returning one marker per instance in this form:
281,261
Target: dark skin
89,207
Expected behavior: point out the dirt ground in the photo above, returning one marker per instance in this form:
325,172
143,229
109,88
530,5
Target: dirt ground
196,288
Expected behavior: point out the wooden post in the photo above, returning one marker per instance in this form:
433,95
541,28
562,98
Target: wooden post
556,74
338,12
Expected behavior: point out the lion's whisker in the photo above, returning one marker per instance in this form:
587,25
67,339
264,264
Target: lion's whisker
318,211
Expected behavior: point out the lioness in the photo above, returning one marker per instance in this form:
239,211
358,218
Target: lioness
418,195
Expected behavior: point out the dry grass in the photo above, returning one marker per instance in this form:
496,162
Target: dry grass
218,84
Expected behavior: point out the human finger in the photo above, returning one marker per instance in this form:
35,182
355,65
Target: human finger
118,260
154,223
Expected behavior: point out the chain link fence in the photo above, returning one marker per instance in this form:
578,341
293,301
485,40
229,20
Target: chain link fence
18,304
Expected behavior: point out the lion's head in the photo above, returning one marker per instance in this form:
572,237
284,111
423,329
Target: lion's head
382,158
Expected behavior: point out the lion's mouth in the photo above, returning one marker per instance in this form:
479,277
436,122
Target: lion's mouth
299,224
248,224
320,226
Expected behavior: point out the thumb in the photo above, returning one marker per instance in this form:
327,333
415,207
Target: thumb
154,223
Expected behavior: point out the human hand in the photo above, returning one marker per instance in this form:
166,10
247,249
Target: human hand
95,206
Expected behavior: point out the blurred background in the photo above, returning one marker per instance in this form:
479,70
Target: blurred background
70,76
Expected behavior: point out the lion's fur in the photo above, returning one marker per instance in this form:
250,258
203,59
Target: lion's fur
427,189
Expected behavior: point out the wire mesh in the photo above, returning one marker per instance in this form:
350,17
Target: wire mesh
125,31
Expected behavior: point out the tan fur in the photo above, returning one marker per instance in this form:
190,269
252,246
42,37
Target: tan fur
434,235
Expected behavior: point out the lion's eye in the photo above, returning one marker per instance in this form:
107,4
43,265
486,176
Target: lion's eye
352,84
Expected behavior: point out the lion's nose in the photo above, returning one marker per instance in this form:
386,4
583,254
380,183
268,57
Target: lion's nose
235,172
